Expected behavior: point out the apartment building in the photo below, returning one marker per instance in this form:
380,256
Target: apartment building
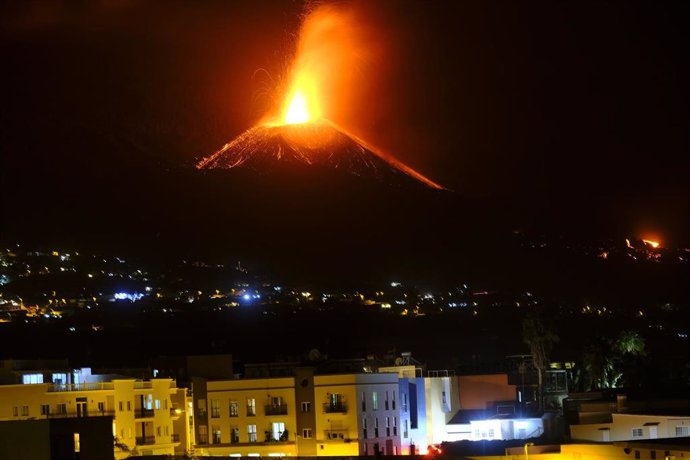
148,417
633,427
300,415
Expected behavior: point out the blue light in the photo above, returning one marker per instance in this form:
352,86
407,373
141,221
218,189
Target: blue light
247,297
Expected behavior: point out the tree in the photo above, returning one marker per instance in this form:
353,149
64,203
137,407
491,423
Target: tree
540,339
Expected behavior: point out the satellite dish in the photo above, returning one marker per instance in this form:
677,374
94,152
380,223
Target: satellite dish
398,361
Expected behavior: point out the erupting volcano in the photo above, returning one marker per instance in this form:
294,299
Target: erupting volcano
301,134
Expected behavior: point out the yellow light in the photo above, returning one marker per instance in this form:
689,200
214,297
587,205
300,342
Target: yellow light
297,111
654,244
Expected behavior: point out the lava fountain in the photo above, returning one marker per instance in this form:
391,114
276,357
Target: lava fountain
298,130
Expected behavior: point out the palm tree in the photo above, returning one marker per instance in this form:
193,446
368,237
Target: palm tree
540,339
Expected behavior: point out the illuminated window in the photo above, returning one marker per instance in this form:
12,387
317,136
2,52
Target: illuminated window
28,379
157,404
374,400
234,409
215,408
306,433
306,406
59,378
77,443
251,406
216,434
148,402
251,431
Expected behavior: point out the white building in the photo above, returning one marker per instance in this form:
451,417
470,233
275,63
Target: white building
632,427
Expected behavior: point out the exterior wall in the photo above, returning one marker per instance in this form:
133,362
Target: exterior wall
220,394
386,415
305,416
621,429
138,430
478,391
412,409
442,401
496,429
334,423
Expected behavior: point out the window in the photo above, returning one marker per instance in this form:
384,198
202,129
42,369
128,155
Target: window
278,432
443,397
201,408
234,435
492,432
374,400
15,411
364,428
306,406
159,431
121,406
234,409
59,378
405,431
251,431
637,432
215,408
683,431
45,409
28,379
404,402
393,401
101,406
62,408
376,427
306,433
167,430
251,408
203,434
77,443
395,426
652,455
215,432
148,402
637,454
129,406
25,411
385,403
388,426
157,404
364,402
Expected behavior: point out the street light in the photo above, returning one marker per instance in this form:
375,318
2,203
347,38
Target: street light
527,446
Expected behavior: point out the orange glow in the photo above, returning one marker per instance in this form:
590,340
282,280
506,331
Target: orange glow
297,111
654,244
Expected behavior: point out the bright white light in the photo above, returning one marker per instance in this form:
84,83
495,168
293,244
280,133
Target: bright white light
247,297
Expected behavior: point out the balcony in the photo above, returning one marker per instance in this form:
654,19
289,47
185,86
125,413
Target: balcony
276,437
61,387
276,409
175,437
146,440
143,413
334,435
93,413
335,408
175,411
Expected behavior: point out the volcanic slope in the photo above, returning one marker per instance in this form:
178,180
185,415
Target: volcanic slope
266,148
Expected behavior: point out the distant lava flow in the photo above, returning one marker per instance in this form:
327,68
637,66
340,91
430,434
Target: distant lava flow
314,143
302,134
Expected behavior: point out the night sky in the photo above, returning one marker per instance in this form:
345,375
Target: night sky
552,116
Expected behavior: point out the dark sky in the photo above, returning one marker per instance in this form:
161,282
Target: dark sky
572,112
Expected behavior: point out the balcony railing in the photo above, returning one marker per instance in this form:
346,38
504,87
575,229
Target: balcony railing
91,413
143,413
281,436
60,387
146,440
335,408
336,434
175,437
276,409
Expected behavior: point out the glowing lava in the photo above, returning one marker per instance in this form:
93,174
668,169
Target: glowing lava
297,111
654,244
318,86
